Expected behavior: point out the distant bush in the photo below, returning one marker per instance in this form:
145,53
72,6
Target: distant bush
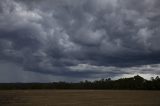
133,83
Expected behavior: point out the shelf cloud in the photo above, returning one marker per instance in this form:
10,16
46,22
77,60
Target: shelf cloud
79,39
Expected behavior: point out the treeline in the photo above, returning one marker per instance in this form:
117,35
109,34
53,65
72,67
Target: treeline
133,83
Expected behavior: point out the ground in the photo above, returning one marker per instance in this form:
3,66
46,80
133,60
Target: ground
79,98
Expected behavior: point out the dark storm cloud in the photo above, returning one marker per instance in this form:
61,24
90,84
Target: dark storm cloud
53,36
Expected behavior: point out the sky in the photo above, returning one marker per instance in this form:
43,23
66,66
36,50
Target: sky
74,40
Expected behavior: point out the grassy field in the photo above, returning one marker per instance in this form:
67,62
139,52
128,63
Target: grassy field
79,98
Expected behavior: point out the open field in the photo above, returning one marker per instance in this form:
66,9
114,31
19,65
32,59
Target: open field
79,98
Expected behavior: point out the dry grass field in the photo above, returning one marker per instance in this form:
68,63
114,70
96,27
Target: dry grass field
79,98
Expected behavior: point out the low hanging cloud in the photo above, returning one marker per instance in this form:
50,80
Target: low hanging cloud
81,39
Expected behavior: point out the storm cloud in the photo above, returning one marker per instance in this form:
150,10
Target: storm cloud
79,39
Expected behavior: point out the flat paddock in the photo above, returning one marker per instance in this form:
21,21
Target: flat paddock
79,98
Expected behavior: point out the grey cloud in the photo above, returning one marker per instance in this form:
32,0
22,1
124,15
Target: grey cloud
52,35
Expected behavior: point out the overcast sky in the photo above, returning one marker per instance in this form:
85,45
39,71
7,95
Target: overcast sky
73,40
